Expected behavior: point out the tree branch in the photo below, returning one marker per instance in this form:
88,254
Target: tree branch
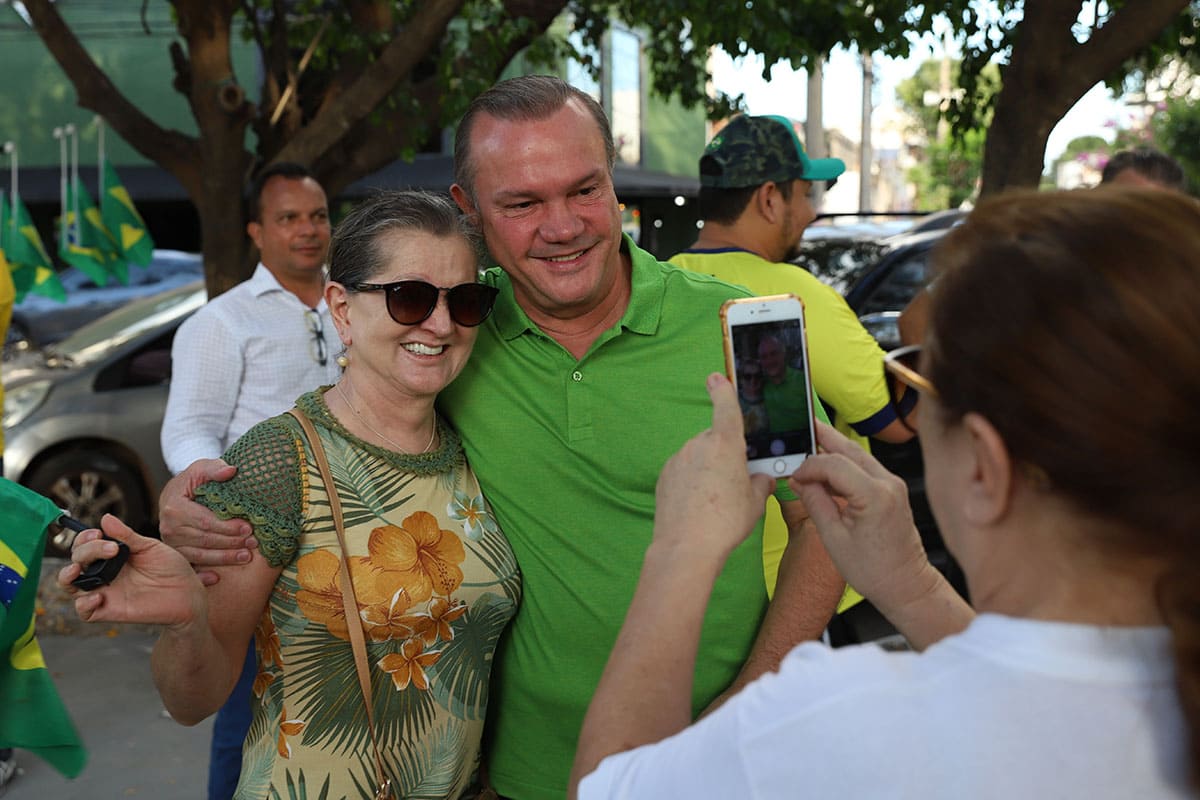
364,149
171,149
373,144
396,60
1128,31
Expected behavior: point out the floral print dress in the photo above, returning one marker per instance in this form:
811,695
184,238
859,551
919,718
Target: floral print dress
435,583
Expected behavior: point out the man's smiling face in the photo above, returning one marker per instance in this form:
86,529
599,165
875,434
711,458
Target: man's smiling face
547,208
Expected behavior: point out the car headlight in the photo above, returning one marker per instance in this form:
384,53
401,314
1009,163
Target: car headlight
22,401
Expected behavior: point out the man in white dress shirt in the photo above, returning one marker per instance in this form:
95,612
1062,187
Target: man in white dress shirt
246,356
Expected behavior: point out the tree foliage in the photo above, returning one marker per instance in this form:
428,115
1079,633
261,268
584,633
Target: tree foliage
1177,132
948,171
348,87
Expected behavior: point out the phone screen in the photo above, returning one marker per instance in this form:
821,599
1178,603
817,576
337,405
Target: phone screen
772,388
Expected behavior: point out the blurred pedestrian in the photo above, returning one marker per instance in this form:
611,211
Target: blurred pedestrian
756,183
8,294
1144,166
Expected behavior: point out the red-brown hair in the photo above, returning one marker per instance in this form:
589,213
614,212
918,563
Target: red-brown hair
1071,321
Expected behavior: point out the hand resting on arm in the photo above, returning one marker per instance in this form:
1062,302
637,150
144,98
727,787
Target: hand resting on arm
201,536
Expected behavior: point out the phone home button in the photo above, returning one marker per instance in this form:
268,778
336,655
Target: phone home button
780,466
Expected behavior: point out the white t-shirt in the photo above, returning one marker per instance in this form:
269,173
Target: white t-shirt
1010,708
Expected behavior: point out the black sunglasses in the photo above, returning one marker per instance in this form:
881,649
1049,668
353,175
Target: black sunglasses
412,302
312,318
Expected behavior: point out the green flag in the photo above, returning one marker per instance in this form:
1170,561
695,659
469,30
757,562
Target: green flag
123,220
24,249
88,246
32,715
22,278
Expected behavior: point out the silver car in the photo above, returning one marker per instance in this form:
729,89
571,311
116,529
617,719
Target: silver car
82,418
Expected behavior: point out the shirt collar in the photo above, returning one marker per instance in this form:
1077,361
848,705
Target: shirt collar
645,299
262,281
707,251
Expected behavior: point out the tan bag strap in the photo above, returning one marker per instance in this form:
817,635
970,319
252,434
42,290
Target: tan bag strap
349,603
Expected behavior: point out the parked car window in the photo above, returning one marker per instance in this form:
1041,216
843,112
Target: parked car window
900,285
840,262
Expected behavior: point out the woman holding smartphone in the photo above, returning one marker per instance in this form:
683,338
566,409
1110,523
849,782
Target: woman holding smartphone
1060,382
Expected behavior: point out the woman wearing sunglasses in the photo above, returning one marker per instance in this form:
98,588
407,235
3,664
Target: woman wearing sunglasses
432,581
1060,382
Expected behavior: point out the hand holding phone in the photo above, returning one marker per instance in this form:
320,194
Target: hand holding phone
766,358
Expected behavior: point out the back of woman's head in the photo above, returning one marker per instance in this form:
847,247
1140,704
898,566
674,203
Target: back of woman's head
1071,321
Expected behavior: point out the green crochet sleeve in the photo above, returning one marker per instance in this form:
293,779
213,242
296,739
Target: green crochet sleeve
268,489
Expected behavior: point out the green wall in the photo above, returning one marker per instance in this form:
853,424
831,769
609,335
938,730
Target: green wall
36,96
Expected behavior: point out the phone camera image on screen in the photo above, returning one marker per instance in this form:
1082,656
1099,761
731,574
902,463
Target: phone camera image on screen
772,390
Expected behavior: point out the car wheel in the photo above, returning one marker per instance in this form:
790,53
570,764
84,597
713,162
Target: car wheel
88,484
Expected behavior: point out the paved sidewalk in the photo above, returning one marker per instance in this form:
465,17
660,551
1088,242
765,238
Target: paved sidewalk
103,675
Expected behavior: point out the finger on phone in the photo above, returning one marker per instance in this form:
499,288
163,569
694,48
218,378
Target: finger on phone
832,441
727,413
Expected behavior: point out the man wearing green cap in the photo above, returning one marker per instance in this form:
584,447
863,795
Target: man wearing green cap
755,181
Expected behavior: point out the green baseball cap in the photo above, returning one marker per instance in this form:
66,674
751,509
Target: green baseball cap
750,151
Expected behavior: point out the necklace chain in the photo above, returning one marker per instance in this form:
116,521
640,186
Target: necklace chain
371,428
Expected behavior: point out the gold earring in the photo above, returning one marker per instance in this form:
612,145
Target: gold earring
342,360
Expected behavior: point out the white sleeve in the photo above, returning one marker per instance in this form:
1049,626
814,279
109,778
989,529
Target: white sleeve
207,369
704,760
798,732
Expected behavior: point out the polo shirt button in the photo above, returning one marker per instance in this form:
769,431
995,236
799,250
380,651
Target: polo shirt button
577,376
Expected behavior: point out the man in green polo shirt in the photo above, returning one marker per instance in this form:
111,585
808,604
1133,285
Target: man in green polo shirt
785,392
588,375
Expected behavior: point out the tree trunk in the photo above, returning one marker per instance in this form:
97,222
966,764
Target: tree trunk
1049,71
222,114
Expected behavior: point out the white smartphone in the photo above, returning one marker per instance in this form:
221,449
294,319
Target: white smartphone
766,358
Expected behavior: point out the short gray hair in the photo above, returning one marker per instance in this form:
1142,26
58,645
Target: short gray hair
355,252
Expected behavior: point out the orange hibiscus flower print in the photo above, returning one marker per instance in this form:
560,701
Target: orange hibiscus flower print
266,638
387,620
423,557
408,666
433,624
319,597
287,727
261,681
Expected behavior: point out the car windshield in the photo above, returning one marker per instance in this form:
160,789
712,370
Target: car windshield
100,336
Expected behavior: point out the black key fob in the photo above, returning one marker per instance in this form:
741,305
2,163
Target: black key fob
102,571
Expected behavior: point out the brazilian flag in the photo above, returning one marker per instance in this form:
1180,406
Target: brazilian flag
88,246
32,716
22,279
22,245
122,219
